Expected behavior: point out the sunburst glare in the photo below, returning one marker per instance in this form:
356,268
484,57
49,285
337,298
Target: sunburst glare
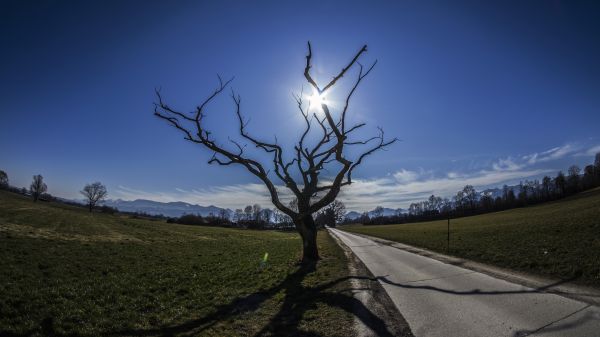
316,99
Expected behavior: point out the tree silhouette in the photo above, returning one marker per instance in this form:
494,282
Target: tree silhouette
94,193
3,179
37,187
329,151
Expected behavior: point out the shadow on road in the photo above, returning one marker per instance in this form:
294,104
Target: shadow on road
542,289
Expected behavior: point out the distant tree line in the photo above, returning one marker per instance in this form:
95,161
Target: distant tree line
198,220
249,217
468,201
256,217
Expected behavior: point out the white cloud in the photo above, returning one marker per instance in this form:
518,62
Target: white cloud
231,196
367,194
589,152
506,165
405,176
552,154
593,150
398,189
361,195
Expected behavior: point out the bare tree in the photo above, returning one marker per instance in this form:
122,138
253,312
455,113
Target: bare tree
248,212
377,212
546,185
560,182
37,187
239,214
256,212
223,214
328,151
331,215
3,179
470,196
94,193
573,178
266,215
338,209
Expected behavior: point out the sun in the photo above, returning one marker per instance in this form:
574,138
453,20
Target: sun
317,100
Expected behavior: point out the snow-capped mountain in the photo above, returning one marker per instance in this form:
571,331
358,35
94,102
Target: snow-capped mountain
170,209
498,192
386,212
352,215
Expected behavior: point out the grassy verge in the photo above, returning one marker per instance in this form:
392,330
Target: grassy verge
64,271
557,239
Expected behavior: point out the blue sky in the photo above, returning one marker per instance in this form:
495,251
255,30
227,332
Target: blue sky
478,92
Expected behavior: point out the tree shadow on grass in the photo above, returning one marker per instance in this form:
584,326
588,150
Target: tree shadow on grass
298,299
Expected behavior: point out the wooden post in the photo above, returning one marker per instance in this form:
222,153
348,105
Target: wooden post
448,239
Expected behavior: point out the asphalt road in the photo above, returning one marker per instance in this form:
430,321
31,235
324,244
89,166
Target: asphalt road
440,299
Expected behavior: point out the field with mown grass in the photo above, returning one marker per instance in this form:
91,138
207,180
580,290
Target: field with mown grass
558,239
66,272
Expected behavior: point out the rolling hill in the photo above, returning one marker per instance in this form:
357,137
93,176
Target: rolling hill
66,272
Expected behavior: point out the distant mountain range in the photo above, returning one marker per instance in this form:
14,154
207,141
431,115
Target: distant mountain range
497,192
386,212
179,208
169,209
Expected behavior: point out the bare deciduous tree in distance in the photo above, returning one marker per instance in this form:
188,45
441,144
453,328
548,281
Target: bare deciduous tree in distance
37,187
339,210
3,179
307,163
94,193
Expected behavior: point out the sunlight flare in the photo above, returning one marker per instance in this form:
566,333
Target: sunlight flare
317,99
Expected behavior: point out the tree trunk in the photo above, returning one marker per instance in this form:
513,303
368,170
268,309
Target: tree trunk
91,206
308,232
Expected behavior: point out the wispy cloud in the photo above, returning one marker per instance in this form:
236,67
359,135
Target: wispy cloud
231,196
397,189
367,194
592,151
507,164
552,154
363,194
405,176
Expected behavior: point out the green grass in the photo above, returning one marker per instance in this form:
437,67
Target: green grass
557,239
64,271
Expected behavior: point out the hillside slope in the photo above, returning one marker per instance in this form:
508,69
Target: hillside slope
64,271
559,239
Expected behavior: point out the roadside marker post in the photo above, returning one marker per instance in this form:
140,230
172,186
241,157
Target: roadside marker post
448,238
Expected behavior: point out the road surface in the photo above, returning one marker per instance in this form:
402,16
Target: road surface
440,299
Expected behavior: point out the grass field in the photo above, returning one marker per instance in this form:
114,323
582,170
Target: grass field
65,272
558,239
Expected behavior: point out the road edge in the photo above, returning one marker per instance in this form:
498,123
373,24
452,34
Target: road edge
371,293
564,288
